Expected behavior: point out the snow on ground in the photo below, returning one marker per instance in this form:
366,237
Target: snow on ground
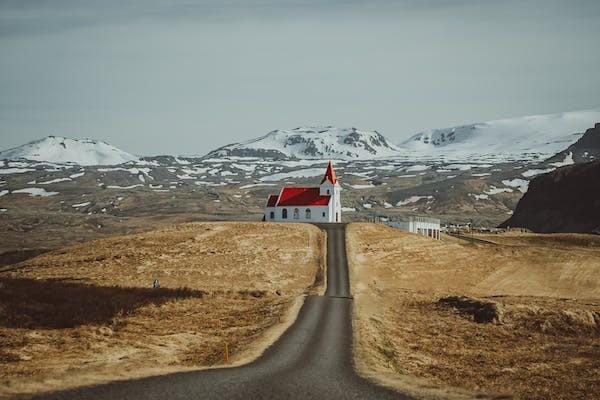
207,183
503,140
244,167
412,199
567,161
533,172
367,206
386,167
361,174
300,173
461,167
518,183
6,171
180,161
59,150
77,175
317,143
387,205
124,187
482,174
362,186
87,203
251,185
479,196
406,176
416,168
2,210
3,192
54,181
33,191
494,190
348,209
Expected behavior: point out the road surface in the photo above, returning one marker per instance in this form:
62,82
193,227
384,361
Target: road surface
311,360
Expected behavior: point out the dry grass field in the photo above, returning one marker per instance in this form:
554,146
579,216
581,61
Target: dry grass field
519,317
88,314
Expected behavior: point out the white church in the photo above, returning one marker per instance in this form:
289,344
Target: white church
307,204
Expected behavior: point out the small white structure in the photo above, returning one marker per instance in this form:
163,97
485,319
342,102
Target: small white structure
425,226
307,204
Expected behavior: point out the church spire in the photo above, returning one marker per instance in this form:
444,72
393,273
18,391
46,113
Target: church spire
330,174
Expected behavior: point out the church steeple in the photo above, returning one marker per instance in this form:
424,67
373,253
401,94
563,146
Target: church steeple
330,174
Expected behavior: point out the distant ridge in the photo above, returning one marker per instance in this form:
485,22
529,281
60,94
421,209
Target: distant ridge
531,137
60,150
325,142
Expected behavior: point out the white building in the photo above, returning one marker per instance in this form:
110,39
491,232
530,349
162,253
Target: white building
307,204
420,225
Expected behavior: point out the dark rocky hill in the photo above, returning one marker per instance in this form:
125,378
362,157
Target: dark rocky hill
586,149
565,200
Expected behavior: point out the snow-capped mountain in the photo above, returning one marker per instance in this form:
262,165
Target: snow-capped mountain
313,143
60,150
531,137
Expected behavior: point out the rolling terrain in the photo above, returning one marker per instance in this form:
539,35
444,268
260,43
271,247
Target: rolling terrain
515,315
88,314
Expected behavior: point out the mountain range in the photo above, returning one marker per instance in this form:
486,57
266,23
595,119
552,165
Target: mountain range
533,138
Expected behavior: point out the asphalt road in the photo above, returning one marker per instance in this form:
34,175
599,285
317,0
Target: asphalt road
311,360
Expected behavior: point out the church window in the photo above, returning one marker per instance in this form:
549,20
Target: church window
296,213
284,213
307,213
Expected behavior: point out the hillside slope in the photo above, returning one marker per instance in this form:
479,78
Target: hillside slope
313,143
587,148
60,150
530,137
565,200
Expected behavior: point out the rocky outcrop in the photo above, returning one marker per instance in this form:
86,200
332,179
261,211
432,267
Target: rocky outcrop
565,200
586,149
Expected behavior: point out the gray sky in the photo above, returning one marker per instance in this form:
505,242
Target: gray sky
183,76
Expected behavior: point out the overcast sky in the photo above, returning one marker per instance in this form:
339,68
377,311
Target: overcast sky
183,76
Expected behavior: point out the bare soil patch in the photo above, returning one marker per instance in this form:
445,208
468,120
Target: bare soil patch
88,314
452,319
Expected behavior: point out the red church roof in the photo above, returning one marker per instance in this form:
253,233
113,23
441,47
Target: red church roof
330,174
272,200
302,196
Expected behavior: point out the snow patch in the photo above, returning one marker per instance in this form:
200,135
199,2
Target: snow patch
533,172
520,184
412,199
39,192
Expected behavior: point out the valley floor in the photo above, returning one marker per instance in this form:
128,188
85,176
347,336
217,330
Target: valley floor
88,314
536,299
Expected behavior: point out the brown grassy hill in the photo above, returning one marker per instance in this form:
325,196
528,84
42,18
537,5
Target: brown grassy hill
451,319
88,314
